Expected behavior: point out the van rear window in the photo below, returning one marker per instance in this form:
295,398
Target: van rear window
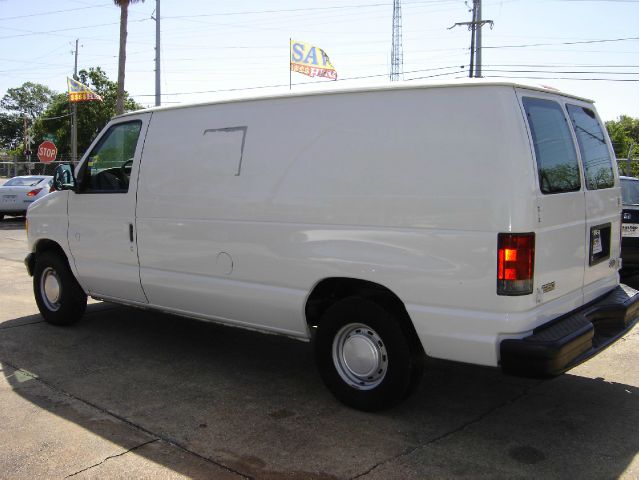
629,192
557,164
593,148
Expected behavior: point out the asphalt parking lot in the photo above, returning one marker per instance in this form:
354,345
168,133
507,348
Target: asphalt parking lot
133,394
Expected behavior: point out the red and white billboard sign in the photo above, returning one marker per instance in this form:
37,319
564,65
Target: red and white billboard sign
47,152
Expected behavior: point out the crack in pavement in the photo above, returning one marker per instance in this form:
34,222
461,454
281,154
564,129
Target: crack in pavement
21,325
113,456
128,422
473,421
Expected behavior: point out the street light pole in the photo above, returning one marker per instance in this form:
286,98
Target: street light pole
74,114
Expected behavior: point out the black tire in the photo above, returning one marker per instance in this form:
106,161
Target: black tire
391,365
60,298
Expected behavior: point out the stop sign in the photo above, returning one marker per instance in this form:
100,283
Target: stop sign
47,152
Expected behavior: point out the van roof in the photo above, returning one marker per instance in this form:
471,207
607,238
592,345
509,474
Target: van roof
323,89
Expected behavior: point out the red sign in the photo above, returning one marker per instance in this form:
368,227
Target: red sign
47,152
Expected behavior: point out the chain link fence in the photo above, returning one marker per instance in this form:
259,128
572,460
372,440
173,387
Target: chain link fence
629,168
12,166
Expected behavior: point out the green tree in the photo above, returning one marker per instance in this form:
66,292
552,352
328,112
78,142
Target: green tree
124,16
11,131
624,135
623,132
29,100
92,116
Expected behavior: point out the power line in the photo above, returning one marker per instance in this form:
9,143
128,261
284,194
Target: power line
52,32
51,12
560,65
568,78
566,43
308,9
565,72
307,83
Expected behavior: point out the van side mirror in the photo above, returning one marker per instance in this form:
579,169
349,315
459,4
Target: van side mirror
63,178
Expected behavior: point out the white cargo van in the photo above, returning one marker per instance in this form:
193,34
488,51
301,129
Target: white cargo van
476,222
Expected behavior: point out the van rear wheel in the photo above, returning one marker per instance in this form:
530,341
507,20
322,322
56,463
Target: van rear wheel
363,355
59,297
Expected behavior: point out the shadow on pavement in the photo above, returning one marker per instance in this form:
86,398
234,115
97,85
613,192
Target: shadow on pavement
254,404
12,223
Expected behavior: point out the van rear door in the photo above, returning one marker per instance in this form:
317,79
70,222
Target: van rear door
603,200
560,250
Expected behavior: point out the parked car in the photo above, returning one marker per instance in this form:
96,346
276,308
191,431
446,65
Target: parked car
18,193
476,222
630,223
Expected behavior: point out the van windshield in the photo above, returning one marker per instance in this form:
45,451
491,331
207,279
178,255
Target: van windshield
630,192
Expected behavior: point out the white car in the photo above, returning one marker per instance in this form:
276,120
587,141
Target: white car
18,193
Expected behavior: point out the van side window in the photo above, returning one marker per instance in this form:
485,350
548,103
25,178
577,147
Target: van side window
593,148
109,165
557,164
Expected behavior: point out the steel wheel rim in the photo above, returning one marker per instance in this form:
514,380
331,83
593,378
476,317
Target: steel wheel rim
50,289
360,356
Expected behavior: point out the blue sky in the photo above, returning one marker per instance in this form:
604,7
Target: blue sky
211,46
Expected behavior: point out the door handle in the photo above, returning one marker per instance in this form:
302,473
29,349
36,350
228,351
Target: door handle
131,232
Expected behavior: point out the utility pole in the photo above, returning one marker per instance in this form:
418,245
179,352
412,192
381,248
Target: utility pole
158,88
24,131
74,114
478,38
475,38
27,147
397,53
472,27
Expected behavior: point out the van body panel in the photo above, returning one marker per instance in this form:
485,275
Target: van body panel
361,216
473,336
49,220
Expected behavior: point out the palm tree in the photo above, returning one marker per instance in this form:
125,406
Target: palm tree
124,15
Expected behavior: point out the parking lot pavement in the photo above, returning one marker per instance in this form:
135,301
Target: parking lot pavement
128,393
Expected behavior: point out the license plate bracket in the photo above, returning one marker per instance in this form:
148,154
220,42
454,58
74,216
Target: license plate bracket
599,243
630,230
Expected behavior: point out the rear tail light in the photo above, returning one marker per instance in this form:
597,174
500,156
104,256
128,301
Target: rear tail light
34,192
515,263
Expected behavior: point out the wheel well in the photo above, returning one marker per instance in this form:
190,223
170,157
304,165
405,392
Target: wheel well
50,246
331,290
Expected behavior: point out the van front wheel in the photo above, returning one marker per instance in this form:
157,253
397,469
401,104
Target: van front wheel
363,356
60,298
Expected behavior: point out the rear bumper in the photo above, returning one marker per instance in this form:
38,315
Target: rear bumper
571,339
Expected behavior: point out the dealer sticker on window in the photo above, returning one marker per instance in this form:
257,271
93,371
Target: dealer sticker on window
596,242
630,230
